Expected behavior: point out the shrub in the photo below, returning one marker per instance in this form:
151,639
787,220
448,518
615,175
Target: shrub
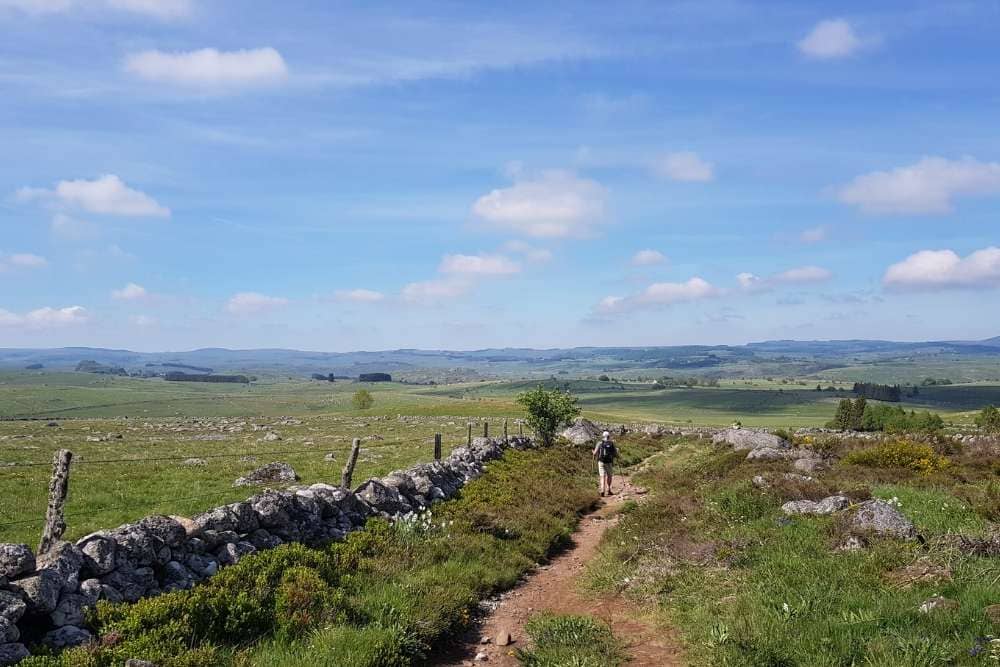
362,399
989,419
548,410
899,454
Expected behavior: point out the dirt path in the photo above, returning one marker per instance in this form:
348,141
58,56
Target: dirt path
553,588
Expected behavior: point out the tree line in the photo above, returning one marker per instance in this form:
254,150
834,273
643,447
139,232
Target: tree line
859,415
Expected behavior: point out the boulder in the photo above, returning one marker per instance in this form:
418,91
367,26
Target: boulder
809,465
760,482
98,550
653,430
69,611
66,637
15,560
12,607
129,584
148,541
273,508
11,654
582,432
768,454
385,499
272,473
177,577
41,591
238,517
828,505
66,560
883,519
8,632
742,438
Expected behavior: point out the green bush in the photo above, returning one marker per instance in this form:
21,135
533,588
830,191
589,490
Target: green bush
989,419
899,454
547,410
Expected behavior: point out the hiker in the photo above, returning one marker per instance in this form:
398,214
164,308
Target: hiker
605,453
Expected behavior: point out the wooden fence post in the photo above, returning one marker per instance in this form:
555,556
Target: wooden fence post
486,429
348,473
505,440
520,427
470,434
437,446
55,521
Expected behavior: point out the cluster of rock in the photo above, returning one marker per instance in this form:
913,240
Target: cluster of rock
766,447
583,431
160,553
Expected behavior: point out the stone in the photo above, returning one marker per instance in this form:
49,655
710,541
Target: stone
504,638
15,560
851,543
810,466
191,528
237,517
8,632
272,473
743,438
936,604
194,462
98,551
385,499
271,436
582,432
653,430
993,614
41,591
922,571
760,482
177,577
482,656
147,541
90,589
66,637
66,560
69,611
883,519
129,584
330,458
273,508
11,654
12,607
231,554
769,454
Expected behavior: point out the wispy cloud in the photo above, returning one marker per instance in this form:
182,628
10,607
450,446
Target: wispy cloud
800,275
478,265
660,294
22,260
44,318
106,195
648,257
359,295
830,39
131,292
210,69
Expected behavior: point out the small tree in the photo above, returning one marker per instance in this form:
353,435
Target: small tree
548,410
362,399
989,419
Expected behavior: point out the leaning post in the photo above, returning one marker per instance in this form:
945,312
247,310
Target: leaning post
348,473
486,429
437,446
505,439
55,520
470,434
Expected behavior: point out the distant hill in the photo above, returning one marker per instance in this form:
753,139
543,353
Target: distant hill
775,357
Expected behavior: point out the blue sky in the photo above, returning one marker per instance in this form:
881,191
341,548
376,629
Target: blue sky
333,176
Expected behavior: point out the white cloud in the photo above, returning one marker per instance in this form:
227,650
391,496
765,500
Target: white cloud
529,252
71,229
359,295
684,166
925,187
22,260
648,258
942,269
800,275
660,294
160,9
130,292
210,68
478,265
830,39
814,235
44,318
803,274
253,303
556,204
430,292
107,195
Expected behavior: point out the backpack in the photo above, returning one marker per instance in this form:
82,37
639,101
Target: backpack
606,451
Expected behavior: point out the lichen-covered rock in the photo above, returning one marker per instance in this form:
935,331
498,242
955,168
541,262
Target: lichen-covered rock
262,540
202,566
384,499
273,508
40,591
809,465
65,559
767,454
147,541
11,654
15,560
177,577
131,584
231,554
69,611
582,432
98,550
883,519
828,505
272,473
8,632
744,438
12,606
237,517
66,637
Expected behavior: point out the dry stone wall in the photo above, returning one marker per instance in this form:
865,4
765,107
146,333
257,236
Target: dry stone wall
45,597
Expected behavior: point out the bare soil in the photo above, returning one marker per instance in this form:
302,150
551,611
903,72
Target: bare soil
554,588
